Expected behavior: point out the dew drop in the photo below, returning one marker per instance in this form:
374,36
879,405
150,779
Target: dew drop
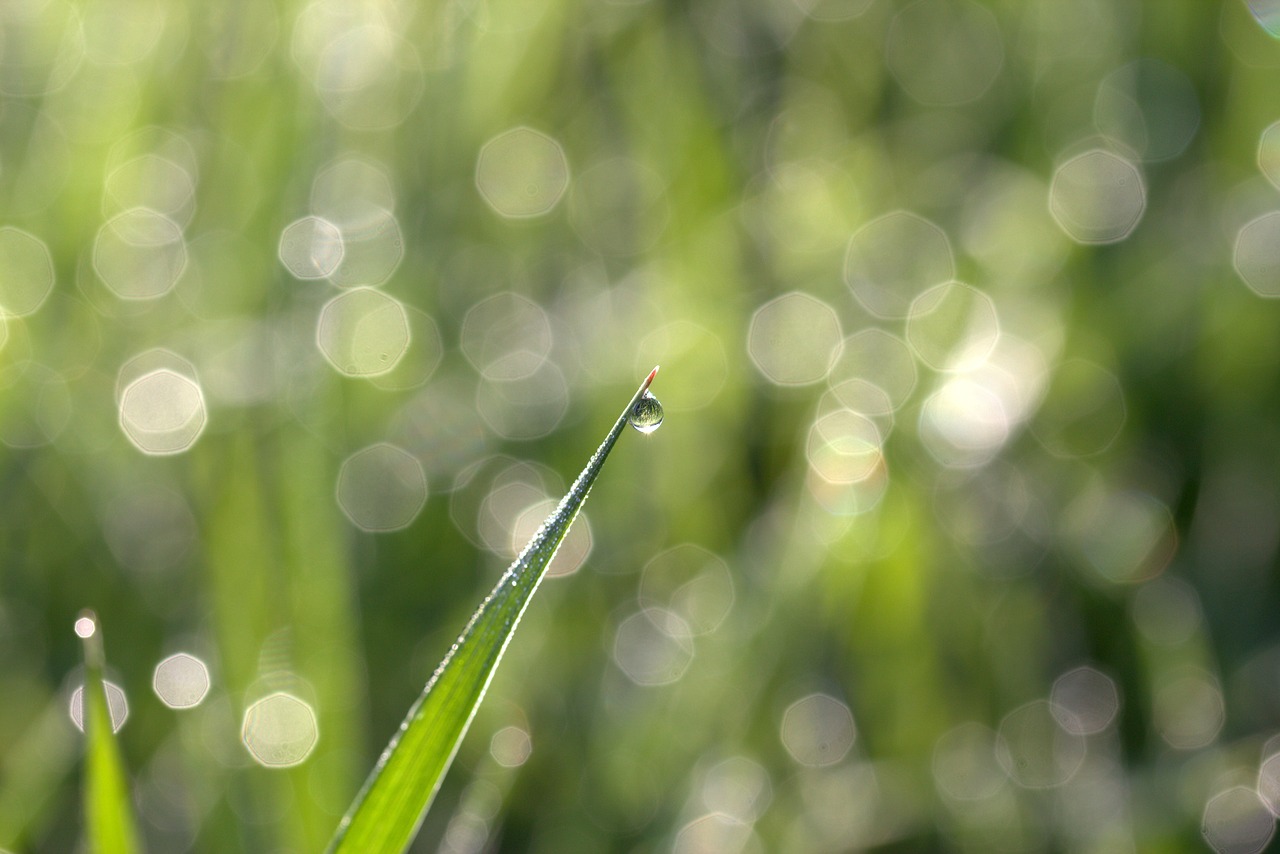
646,415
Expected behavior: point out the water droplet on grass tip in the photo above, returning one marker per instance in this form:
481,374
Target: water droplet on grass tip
646,414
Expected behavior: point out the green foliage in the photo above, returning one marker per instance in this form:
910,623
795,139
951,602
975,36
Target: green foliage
108,807
389,809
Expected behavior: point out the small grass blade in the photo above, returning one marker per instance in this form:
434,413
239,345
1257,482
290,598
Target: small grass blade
108,813
387,812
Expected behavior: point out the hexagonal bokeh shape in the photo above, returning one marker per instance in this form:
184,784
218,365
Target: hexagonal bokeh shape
794,339
944,53
844,447
1269,153
1097,197
1257,255
279,730
893,259
381,488
117,705
1084,701
26,272
818,730
1269,783
311,247
1236,821
181,681
363,332
653,647
1034,750
140,254
162,412
522,173
692,582
964,763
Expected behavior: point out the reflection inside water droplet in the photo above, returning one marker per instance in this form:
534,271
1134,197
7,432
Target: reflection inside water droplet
646,414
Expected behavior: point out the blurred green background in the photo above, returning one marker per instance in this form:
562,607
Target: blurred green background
961,531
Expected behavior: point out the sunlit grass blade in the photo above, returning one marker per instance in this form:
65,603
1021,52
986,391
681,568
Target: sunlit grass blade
108,811
388,810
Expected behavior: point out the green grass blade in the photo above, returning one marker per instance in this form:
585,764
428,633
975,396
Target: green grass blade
388,810
108,812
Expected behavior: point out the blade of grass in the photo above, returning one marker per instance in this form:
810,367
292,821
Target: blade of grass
387,812
108,814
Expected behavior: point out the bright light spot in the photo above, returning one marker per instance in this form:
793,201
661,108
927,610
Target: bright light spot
1257,255
522,173
1269,153
1123,536
1149,107
26,272
506,336
573,550
944,53
716,833
653,647
893,259
1188,710
381,488
1034,750
737,787
692,583
818,730
162,412
844,447
964,763
311,248
363,332
1237,822
963,424
619,207
117,705
1083,411
85,627
794,339
181,681
1269,783
1084,701
279,730
1167,611
1097,197
510,746
953,327
140,254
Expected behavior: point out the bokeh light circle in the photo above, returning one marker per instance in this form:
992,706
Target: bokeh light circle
279,730
522,173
